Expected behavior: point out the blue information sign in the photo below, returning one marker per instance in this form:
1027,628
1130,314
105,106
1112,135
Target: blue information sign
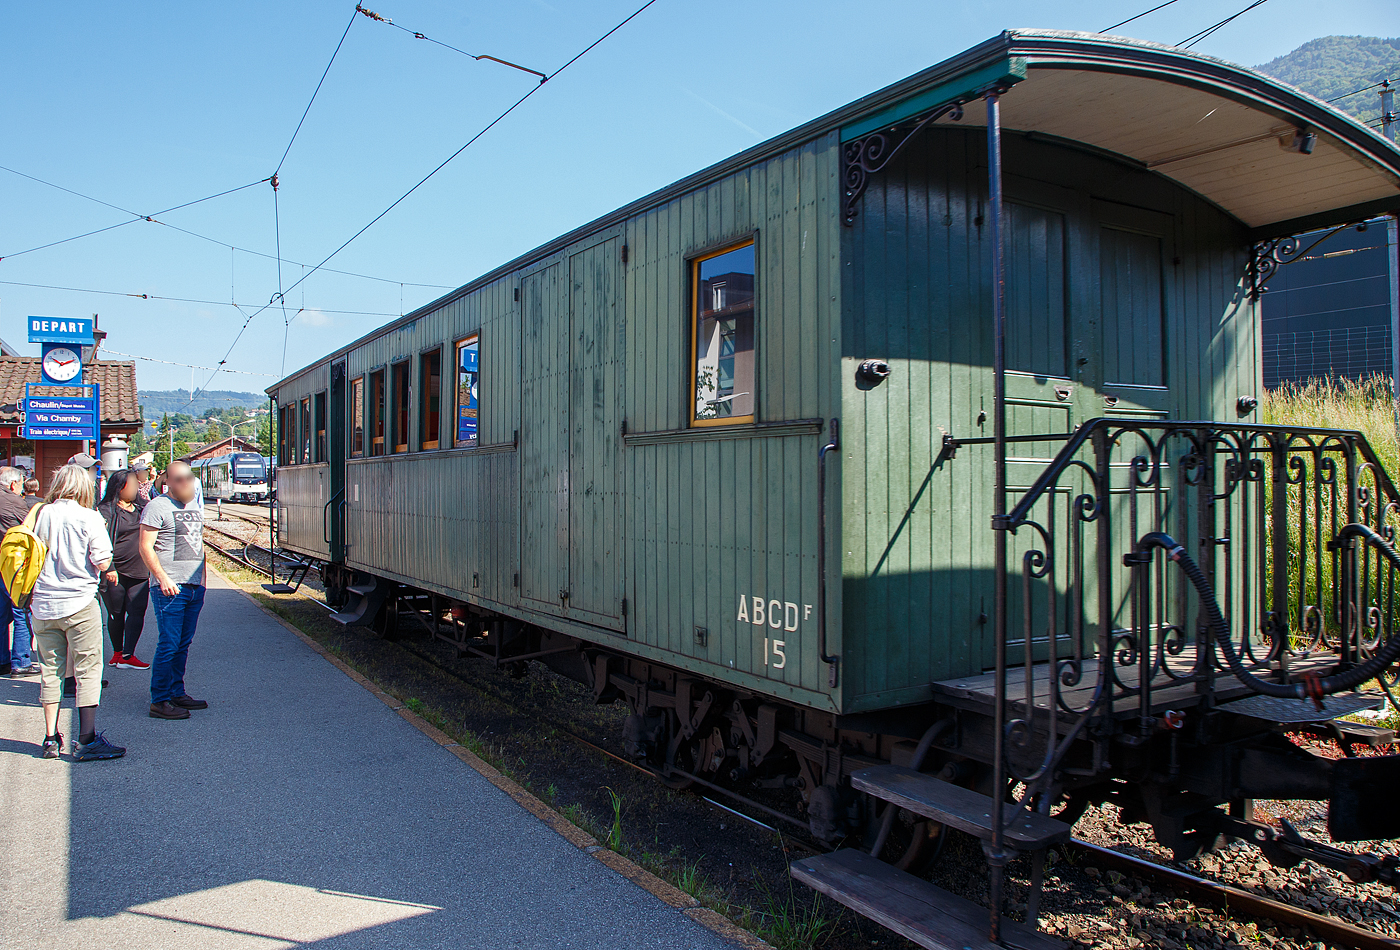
65,417
61,330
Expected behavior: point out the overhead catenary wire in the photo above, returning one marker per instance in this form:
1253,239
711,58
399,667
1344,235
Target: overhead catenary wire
152,359
137,216
490,125
1195,38
212,303
314,93
1357,92
476,56
1138,16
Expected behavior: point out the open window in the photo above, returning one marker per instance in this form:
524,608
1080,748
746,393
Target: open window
319,418
722,334
400,382
468,395
357,418
430,398
376,412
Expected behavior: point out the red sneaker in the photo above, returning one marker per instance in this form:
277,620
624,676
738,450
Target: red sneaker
130,662
116,660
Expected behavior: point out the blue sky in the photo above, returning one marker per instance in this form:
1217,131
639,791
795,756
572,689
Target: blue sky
147,105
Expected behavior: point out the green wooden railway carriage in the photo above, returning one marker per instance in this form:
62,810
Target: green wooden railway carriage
734,452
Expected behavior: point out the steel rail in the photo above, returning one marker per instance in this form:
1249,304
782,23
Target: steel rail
1329,929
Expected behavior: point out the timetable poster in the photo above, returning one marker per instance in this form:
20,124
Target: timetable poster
467,374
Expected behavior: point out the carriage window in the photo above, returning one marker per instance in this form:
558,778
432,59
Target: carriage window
357,417
376,412
305,431
282,452
722,321
430,381
320,418
401,407
468,371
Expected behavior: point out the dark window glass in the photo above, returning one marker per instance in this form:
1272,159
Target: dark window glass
430,381
723,320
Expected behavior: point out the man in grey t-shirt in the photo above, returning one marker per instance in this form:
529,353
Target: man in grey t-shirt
172,545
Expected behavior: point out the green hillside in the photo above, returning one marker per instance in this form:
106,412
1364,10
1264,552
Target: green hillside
158,401
1333,66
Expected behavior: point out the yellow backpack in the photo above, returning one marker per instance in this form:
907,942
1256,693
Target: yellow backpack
22,556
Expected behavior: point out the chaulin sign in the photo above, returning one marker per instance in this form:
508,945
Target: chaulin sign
63,339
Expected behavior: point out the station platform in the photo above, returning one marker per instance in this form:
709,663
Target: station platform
297,811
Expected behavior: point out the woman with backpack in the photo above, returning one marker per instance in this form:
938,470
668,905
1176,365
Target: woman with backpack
126,585
66,619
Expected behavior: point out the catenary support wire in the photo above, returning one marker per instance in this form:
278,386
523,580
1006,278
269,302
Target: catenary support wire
476,56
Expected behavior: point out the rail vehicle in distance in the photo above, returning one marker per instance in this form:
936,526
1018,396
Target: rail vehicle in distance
745,455
237,476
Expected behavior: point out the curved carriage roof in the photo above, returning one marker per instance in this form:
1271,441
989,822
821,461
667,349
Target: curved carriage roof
1227,133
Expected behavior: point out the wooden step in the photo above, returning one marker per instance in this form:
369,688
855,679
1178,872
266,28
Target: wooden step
957,807
911,907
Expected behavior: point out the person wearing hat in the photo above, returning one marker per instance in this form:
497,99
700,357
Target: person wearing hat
142,468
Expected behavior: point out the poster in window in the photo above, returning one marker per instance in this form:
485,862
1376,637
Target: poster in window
467,376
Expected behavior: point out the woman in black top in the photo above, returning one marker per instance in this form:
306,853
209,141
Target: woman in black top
125,587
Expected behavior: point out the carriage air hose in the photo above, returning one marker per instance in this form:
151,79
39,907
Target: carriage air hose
1311,686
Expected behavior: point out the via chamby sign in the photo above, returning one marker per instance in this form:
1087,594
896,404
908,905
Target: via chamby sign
61,417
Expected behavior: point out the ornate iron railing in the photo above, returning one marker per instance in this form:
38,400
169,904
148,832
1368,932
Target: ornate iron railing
1104,627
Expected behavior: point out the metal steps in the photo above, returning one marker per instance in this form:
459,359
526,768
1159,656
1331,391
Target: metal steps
364,603
911,907
957,807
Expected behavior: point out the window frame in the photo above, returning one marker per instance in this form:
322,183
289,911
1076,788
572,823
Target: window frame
319,426
357,387
396,410
693,260
378,400
282,435
303,430
426,444
457,347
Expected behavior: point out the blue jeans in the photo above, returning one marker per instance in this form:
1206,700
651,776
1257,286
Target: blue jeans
176,618
20,646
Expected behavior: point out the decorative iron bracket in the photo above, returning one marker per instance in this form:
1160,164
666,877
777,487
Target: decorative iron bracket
1266,257
869,154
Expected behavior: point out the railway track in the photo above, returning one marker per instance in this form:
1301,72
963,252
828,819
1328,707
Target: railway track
1236,903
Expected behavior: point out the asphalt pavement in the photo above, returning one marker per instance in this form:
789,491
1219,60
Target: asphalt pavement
297,811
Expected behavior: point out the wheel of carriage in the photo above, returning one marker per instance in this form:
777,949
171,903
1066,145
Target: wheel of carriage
914,843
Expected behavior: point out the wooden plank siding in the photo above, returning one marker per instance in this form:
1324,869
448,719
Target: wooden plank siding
303,488
917,544
590,507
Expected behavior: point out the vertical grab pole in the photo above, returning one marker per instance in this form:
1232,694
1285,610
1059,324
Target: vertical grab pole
995,848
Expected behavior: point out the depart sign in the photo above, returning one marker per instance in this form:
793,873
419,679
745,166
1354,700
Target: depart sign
61,330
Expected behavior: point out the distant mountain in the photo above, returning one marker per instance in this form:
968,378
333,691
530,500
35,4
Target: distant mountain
156,402
1333,66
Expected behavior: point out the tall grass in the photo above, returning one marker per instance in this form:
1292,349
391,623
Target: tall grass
1367,405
